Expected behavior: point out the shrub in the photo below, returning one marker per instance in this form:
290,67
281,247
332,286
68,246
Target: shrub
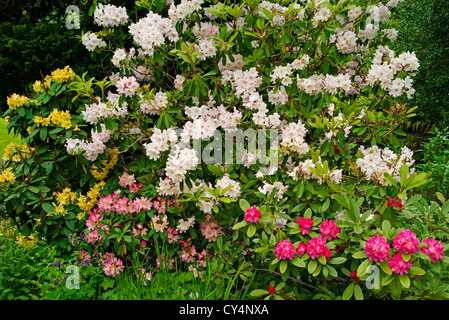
314,98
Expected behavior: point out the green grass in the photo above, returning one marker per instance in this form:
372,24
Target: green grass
6,138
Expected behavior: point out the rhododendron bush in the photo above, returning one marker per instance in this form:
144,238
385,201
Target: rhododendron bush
317,193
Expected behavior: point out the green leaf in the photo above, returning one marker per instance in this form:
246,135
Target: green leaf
297,261
43,133
258,292
358,294
312,266
363,267
47,207
359,254
405,281
349,291
283,266
337,260
251,230
239,225
417,271
395,287
244,205
403,173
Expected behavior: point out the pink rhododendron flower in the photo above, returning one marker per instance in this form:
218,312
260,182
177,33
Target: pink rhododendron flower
172,235
434,249
354,276
301,249
94,219
126,180
305,224
252,215
112,265
406,242
329,230
377,249
316,247
210,230
284,250
395,203
127,86
398,265
146,276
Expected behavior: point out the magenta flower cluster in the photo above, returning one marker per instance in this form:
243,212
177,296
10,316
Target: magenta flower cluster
315,247
406,242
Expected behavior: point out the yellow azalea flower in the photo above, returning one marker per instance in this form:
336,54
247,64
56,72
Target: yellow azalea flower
63,75
37,87
59,209
14,101
80,215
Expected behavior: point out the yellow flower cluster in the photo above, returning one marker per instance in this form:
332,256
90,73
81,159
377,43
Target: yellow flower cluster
16,152
86,203
15,101
6,230
7,175
25,241
109,163
67,196
39,87
56,117
64,198
63,75
9,232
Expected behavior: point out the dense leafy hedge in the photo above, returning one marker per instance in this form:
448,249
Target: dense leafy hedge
324,199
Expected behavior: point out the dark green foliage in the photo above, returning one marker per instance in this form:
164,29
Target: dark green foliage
30,49
18,272
423,27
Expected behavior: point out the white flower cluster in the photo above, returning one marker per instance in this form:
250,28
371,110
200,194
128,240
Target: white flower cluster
151,31
303,171
317,83
278,98
206,31
225,182
230,66
161,140
206,205
91,41
184,9
179,82
206,120
102,110
375,161
206,48
109,15
379,13
167,187
245,82
156,105
179,162
383,72
284,72
337,124
184,225
322,14
276,9
127,86
354,13
267,188
292,138
249,158
91,149
347,42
